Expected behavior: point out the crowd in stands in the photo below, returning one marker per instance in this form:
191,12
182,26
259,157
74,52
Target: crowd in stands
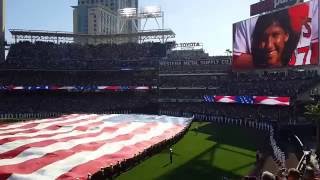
288,174
64,102
48,51
307,171
194,81
176,86
182,78
47,55
185,54
116,65
192,69
77,78
289,83
210,111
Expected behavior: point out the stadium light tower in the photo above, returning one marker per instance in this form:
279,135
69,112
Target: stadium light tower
155,13
127,15
134,18
147,13
152,12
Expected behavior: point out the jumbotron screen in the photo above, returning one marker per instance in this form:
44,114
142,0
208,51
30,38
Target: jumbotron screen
289,37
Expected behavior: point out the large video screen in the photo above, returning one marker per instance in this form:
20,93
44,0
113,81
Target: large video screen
289,37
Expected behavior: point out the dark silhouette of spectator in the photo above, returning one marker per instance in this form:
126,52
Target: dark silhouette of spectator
268,176
293,174
308,173
258,156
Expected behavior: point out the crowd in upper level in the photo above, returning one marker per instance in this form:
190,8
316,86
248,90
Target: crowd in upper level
47,55
289,83
64,102
186,74
77,78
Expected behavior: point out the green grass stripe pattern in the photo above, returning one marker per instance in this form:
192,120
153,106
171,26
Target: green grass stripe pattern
207,151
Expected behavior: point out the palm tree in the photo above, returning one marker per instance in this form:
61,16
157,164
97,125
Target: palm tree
228,52
313,111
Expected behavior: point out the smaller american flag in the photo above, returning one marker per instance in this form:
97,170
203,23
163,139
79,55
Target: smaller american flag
244,99
208,98
268,100
263,100
225,99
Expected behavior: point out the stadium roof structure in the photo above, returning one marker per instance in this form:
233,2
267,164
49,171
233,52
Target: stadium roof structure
162,35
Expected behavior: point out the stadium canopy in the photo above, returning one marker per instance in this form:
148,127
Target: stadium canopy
160,35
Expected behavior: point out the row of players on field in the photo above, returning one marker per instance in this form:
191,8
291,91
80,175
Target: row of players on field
265,125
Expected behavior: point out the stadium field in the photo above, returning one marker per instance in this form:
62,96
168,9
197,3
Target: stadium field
207,151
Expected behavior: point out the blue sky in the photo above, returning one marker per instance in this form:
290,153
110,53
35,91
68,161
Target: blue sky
206,21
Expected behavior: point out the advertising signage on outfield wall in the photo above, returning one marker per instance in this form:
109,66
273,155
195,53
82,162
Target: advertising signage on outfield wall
285,38
270,5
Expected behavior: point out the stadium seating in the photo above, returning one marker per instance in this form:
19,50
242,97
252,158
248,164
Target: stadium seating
179,81
74,78
181,76
46,55
266,84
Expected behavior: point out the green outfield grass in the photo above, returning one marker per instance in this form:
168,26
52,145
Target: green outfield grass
210,152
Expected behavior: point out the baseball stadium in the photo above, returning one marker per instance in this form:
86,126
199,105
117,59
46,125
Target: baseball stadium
116,100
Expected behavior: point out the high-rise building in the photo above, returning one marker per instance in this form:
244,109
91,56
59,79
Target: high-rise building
2,31
101,17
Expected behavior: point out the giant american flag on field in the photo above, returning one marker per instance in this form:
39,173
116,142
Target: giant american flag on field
71,146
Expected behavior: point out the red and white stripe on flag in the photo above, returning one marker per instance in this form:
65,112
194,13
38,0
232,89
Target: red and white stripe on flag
268,100
225,99
72,146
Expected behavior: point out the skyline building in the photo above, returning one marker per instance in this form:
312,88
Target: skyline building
2,31
101,17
